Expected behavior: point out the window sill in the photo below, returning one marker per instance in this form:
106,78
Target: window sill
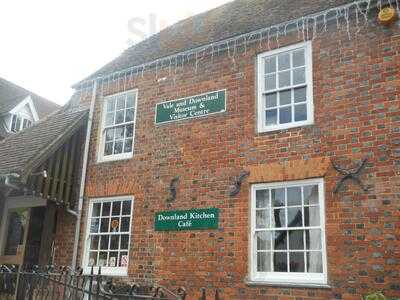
107,271
264,130
114,158
286,284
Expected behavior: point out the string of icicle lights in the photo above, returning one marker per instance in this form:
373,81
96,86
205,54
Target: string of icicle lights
307,27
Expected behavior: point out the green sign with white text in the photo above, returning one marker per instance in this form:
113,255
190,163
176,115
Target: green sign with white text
191,107
192,219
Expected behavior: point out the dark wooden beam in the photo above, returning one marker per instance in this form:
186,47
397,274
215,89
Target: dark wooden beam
47,239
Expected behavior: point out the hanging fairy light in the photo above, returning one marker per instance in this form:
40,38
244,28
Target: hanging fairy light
307,27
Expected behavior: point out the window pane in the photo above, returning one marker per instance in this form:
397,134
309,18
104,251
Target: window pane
119,117
278,218
283,61
284,79
310,194
280,240
123,259
270,82
104,225
280,262
111,105
109,119
109,134
119,133
262,218
94,242
94,226
311,216
114,225
92,259
295,217
300,94
112,260
102,259
262,198
271,117
13,122
270,65
121,102
125,224
129,130
104,240
313,239
108,149
114,243
294,196
314,262
126,208
116,208
263,262
296,241
118,147
18,124
106,209
128,146
278,197
270,100
130,114
124,241
96,209
285,97
296,262
300,112
130,100
285,115
298,58
263,240
299,75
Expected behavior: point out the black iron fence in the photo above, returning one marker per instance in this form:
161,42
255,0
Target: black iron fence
63,283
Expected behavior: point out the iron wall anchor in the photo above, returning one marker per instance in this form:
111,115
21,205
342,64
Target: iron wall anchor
352,174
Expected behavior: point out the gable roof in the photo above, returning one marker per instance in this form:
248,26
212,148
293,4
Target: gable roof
12,94
23,151
231,19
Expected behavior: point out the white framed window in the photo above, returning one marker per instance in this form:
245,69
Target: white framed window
285,89
288,232
19,123
118,126
108,235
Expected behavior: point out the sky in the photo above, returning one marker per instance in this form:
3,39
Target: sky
48,45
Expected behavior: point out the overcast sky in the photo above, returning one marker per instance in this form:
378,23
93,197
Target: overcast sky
47,45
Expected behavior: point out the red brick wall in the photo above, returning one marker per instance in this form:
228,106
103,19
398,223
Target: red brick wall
357,114
64,238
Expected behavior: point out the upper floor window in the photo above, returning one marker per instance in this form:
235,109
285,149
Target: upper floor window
118,126
288,232
19,123
285,88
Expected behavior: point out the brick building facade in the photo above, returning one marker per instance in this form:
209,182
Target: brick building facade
354,102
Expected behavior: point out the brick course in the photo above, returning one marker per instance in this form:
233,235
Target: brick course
357,114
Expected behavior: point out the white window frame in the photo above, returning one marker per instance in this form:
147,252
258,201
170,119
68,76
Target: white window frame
300,278
23,119
307,46
108,271
101,157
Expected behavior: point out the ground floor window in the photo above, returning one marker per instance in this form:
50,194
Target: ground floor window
288,232
108,235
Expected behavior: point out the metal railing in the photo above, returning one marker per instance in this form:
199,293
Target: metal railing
47,283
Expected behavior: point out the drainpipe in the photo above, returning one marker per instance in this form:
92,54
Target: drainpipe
83,176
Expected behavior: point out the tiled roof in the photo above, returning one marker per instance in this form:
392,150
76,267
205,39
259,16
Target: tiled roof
12,94
30,145
234,18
